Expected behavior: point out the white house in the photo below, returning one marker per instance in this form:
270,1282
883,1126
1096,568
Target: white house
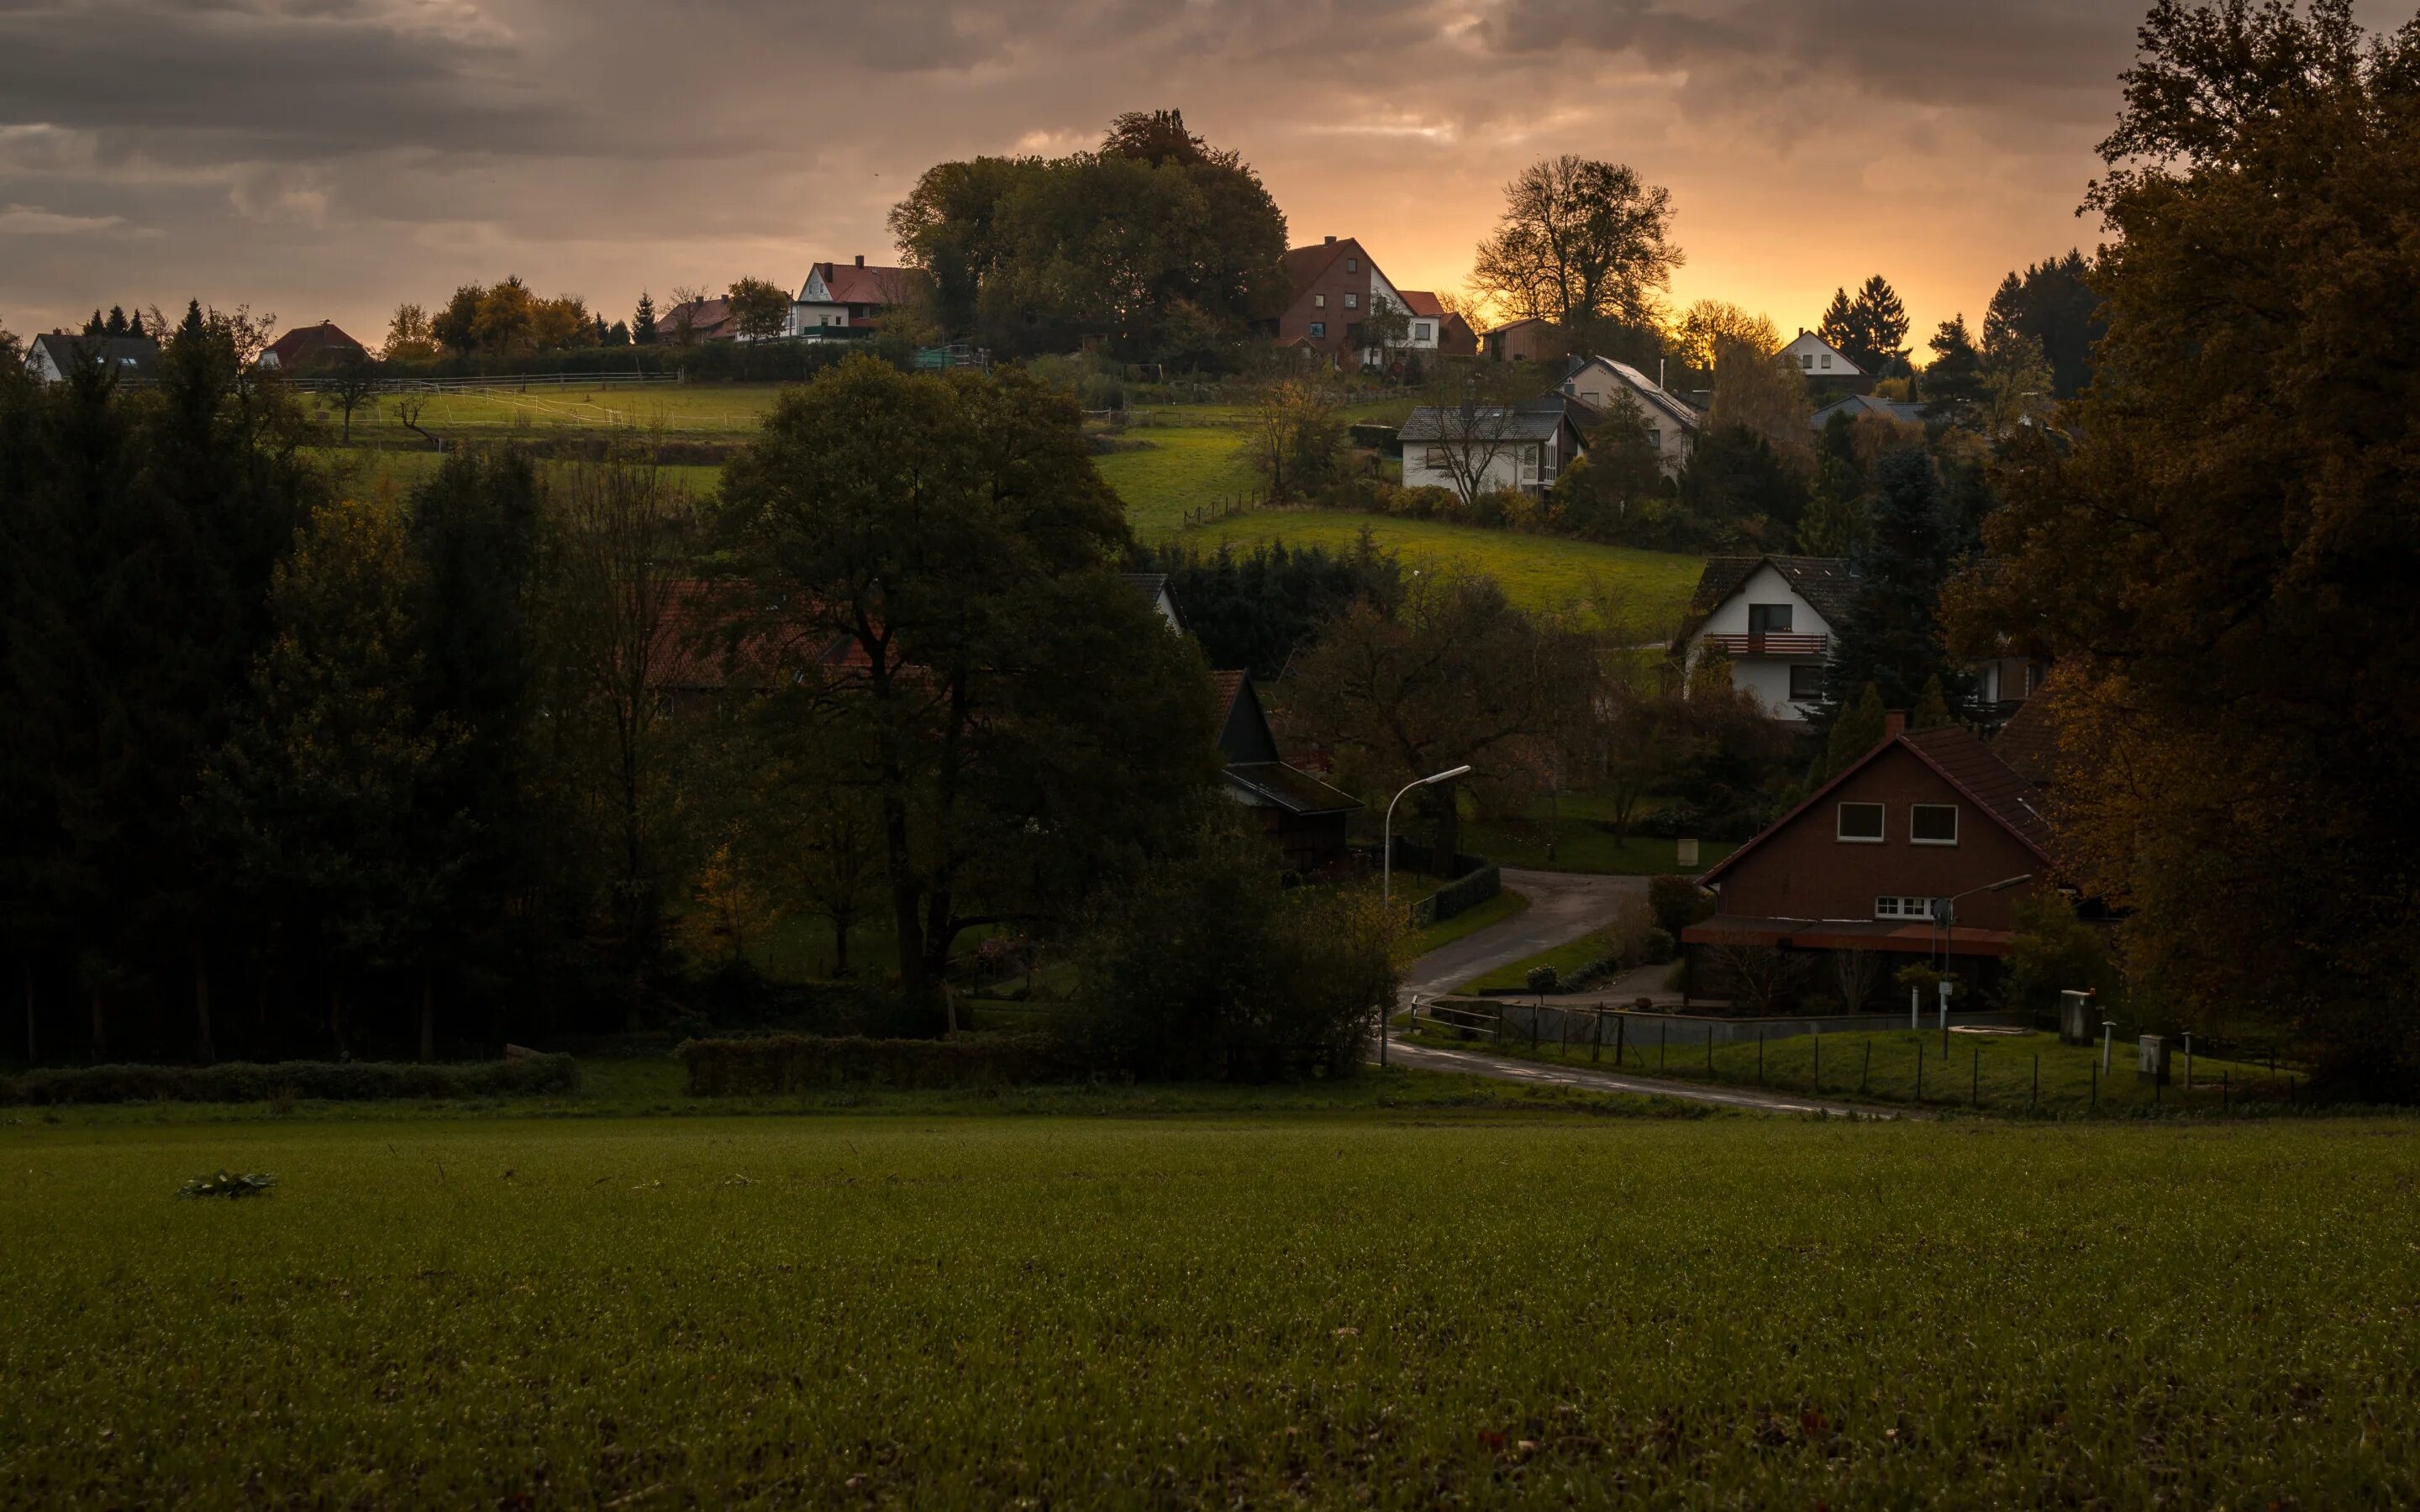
1489,446
1775,618
839,296
134,359
1602,383
1819,359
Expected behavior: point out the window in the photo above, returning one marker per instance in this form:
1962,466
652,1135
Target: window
1902,908
1654,437
1932,824
1529,463
1352,265
1807,360
1861,823
1421,332
1353,301
1319,302
1769,619
1319,330
1828,359
1438,459
1807,682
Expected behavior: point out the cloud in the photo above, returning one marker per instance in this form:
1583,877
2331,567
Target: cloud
33,220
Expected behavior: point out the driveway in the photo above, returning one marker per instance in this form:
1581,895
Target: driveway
1563,905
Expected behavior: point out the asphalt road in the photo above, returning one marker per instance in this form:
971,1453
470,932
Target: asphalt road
1563,905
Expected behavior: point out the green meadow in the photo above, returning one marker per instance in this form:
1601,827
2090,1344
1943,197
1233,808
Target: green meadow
1366,1306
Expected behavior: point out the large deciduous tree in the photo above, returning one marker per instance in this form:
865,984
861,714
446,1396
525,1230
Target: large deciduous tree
942,553
2221,565
1582,243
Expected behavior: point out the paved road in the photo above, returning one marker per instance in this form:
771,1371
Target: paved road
1501,1068
1563,905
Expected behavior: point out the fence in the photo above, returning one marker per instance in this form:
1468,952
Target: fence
1224,509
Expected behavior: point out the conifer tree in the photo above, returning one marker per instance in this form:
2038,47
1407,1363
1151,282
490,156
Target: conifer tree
96,326
115,324
1856,730
1890,638
1931,706
643,321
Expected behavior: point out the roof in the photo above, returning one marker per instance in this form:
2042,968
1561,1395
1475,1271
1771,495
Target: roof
1825,582
1647,388
1807,342
1276,785
305,345
128,357
2029,741
1304,266
1421,302
705,317
1154,588
1229,685
1843,934
1960,760
1492,421
1865,404
856,284
1516,325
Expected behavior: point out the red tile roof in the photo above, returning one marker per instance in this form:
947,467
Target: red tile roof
1421,302
2029,741
306,345
853,285
1303,265
1230,687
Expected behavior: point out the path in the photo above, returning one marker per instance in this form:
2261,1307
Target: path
1563,905
1504,1069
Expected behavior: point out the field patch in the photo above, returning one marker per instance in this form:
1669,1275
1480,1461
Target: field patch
966,1312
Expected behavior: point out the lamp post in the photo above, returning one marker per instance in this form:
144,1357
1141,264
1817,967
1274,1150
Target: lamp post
1386,841
1948,921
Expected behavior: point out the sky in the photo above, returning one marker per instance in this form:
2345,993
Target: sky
327,159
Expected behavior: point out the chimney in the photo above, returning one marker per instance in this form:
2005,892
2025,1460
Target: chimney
860,259
1331,241
1894,725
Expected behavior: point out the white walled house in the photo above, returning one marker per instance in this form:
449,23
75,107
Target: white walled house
1602,383
1506,447
50,356
838,297
1819,359
1775,618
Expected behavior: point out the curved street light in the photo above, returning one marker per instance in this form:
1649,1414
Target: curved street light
1386,842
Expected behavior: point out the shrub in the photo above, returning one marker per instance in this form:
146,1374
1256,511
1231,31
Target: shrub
1542,979
801,1063
1459,896
280,1081
1658,946
1678,902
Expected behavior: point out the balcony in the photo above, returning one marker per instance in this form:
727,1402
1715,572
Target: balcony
1773,645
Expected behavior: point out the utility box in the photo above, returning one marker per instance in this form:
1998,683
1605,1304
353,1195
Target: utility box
2152,1062
2075,1019
1684,853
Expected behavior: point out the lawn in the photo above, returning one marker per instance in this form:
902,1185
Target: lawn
680,411
1172,469
1566,959
403,468
1396,1310
2016,1073
1495,910
1647,589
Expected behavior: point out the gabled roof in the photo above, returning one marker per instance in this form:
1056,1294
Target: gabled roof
1865,404
306,345
2029,741
1490,422
1825,582
1646,388
1305,266
1421,302
854,282
1960,760
128,357
1276,785
1806,342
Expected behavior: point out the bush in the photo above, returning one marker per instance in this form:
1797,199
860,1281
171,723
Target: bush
801,1063
1206,967
1542,980
1459,896
254,1081
1678,902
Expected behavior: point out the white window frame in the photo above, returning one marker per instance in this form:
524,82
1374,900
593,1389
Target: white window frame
1903,907
1421,332
1437,459
1882,829
1353,301
1913,839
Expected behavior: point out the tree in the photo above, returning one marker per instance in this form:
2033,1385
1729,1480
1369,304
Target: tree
760,311
353,381
96,326
1453,674
1293,436
1890,637
1841,329
685,300
1870,330
1581,243
2203,555
643,321
409,336
1032,730
1856,729
1738,491
1468,440
1256,609
1709,327
115,325
2052,302
1954,379
1623,469
1932,709
1762,391
618,336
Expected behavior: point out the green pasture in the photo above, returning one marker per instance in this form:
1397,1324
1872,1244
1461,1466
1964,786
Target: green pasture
1564,834
674,411
1565,959
1394,1310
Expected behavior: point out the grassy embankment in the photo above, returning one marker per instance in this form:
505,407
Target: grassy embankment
1403,1310
2004,1072
1571,823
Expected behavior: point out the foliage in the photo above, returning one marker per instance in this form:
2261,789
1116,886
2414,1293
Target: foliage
1856,729
1473,889
760,310
409,337
1256,608
506,320
1160,246
2052,951
1540,979
1582,244
789,1063
1737,493
1678,902
2205,563
1293,437
643,321
1709,327
2051,302
1595,495
1890,637
237,1081
1764,394
229,1184
1206,966
1870,330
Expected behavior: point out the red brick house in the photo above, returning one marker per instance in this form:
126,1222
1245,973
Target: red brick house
1865,863
1334,286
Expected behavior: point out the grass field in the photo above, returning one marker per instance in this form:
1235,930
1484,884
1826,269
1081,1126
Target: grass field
1173,469
1505,904
1566,959
2027,1072
712,411
1648,588
1392,1310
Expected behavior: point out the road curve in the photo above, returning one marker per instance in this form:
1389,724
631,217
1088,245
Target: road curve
1563,905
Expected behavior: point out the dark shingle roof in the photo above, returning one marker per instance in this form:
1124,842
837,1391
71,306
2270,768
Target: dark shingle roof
129,357
1824,582
1274,785
1491,422
1865,404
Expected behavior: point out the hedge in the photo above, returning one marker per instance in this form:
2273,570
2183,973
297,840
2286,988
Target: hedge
801,1063
1459,896
239,1081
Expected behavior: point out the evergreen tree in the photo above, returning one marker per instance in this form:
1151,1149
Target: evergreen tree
619,335
1840,327
115,324
96,326
1954,379
1931,706
1856,729
643,321
604,333
1890,638
1882,325
135,324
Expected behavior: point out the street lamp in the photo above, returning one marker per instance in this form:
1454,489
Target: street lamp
1386,841
1947,918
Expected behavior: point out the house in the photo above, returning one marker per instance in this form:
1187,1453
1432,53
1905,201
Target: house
134,358
1826,365
1330,288
1152,586
1302,814
707,320
848,296
308,347
1602,383
1436,329
1775,618
1923,847
1531,340
1494,446
1857,406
